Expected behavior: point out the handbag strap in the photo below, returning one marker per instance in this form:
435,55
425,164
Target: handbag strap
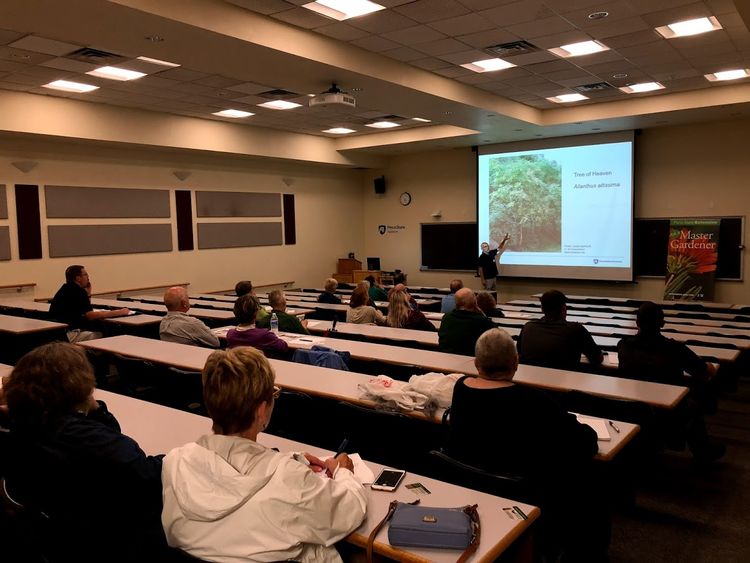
471,511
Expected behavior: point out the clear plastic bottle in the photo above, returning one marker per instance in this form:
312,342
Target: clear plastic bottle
274,323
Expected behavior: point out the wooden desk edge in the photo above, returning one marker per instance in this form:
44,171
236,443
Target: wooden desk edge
623,440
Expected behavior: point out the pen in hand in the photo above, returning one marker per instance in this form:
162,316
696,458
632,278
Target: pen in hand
341,448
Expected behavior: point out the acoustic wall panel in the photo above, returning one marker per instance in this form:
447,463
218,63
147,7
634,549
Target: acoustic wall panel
237,204
95,240
4,243
75,202
3,203
28,222
184,211
236,235
290,229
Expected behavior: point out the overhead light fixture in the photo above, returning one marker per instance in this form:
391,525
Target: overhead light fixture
339,131
69,86
579,49
233,113
488,65
383,124
728,75
114,73
642,87
421,119
343,9
279,104
688,27
567,98
157,62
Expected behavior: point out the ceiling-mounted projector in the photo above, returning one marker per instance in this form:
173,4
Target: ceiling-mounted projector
333,96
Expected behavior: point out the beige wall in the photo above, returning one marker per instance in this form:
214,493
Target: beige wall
696,170
328,207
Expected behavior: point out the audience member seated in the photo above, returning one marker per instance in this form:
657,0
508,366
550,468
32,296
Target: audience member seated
460,329
520,431
229,498
69,461
487,304
329,295
245,287
554,342
287,322
360,312
650,356
448,303
402,315
376,291
247,334
181,328
72,305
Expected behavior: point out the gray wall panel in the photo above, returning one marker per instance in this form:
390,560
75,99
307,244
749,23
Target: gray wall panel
74,202
3,203
234,235
4,243
237,204
94,240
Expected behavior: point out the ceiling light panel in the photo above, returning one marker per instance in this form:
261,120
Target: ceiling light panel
158,62
579,49
339,131
343,9
279,104
69,86
488,65
735,74
642,87
115,73
383,124
233,113
687,28
567,98
421,119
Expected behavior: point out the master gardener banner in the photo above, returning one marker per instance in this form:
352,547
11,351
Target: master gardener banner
691,259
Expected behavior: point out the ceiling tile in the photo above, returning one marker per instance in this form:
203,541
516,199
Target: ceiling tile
11,66
414,35
250,88
541,27
302,17
477,5
23,57
676,14
342,31
44,45
429,63
464,57
532,58
382,22
70,65
557,39
485,39
375,43
404,54
425,11
182,74
6,36
452,72
616,10
618,27
441,47
647,6
262,6
572,74
632,39
516,13
463,25
550,66
218,81
475,78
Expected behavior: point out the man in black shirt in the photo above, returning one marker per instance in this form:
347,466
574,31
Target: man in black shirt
72,305
554,342
487,263
649,356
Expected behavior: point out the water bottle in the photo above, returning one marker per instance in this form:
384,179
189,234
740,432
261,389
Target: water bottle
274,323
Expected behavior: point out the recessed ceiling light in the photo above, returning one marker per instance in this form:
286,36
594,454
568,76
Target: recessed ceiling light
157,62
620,75
578,49
728,74
343,9
567,98
279,104
114,73
598,15
642,87
68,86
154,38
383,124
488,65
420,119
20,56
233,113
339,131
688,27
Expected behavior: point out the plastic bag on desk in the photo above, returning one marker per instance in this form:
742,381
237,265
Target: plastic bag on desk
386,391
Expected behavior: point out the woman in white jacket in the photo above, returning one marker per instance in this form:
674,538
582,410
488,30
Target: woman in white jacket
229,499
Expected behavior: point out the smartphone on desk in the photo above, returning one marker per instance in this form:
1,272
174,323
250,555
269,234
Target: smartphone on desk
388,480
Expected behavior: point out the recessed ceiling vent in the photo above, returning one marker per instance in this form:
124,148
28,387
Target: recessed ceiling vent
95,56
278,94
595,87
512,49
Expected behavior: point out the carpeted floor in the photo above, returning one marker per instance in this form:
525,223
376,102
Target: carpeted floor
690,514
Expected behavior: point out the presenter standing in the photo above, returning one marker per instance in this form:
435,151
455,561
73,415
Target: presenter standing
488,261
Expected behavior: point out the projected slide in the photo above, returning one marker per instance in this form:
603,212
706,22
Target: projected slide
568,210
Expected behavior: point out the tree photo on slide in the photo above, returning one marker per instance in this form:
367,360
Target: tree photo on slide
525,196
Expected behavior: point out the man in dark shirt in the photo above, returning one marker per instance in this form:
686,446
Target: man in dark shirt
329,295
649,356
554,342
487,263
460,329
72,305
287,322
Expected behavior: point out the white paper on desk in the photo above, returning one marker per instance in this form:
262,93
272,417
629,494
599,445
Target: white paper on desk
516,315
613,359
599,426
305,341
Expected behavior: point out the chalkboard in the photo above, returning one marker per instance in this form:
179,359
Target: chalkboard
449,246
650,247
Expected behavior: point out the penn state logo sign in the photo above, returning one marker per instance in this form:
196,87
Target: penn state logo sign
381,229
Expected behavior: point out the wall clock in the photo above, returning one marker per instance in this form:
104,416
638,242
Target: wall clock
405,198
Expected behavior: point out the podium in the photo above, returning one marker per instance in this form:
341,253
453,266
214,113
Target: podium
345,270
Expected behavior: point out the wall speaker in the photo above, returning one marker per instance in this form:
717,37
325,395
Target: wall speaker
379,184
